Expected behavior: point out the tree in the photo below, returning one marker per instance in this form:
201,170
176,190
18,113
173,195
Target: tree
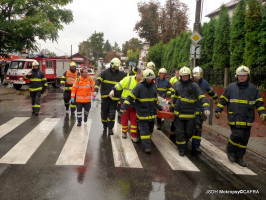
84,48
173,20
237,36
132,44
109,56
221,54
29,20
116,48
96,42
107,46
148,26
156,54
133,56
262,39
253,29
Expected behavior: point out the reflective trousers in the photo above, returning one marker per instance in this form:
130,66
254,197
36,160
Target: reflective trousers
146,129
196,138
35,101
86,107
184,129
67,98
238,141
132,116
108,109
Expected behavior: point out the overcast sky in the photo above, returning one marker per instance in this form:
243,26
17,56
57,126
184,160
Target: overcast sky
116,19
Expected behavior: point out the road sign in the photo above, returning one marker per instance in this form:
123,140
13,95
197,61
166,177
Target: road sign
195,51
196,37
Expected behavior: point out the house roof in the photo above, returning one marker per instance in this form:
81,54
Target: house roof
230,5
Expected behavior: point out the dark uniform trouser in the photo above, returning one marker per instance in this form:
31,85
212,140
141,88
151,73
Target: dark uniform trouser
146,129
196,138
67,97
108,109
86,107
184,129
35,101
238,141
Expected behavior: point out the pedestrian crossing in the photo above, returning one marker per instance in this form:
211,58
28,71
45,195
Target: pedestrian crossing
124,152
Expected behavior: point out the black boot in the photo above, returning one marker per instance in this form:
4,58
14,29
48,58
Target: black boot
196,150
104,130
79,124
85,118
110,131
181,152
147,150
241,162
231,157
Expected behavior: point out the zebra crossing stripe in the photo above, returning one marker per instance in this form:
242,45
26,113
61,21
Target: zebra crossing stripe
74,150
24,149
170,153
124,152
221,158
11,125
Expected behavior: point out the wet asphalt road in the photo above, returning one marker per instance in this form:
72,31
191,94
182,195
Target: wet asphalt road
98,178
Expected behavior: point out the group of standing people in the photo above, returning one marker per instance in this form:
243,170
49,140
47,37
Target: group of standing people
137,94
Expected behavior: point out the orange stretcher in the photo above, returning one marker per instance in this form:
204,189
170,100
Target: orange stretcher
165,114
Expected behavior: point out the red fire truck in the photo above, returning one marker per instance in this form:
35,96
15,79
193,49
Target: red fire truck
52,68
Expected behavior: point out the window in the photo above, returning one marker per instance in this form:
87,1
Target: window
17,65
49,64
29,65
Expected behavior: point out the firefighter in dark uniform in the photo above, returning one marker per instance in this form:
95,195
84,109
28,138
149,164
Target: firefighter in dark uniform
107,80
67,81
145,96
164,89
184,102
133,70
197,74
240,97
37,86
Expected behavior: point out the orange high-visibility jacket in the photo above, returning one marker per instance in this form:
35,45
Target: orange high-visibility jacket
83,89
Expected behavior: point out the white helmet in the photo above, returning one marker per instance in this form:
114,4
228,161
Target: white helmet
184,71
197,72
35,63
149,74
242,70
163,71
115,62
151,65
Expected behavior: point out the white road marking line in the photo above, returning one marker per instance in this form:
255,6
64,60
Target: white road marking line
170,153
74,150
24,149
221,158
124,152
11,125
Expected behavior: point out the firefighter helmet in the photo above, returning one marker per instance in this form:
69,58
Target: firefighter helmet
72,64
184,71
151,65
35,63
115,62
149,74
242,70
163,71
197,72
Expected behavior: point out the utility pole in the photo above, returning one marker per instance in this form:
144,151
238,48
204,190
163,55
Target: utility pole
196,28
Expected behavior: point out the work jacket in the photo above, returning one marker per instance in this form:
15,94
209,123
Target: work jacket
163,86
241,100
83,89
38,82
173,80
126,85
69,78
146,98
107,80
205,87
185,98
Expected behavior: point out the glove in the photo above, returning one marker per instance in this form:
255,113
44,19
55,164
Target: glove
122,112
72,100
93,99
217,115
112,93
263,117
207,113
216,101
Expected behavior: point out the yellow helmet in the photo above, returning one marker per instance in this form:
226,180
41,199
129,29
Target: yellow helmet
149,74
184,71
151,65
35,63
163,71
115,62
72,64
242,70
197,72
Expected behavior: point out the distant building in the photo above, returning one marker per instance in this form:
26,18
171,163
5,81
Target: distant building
143,52
231,5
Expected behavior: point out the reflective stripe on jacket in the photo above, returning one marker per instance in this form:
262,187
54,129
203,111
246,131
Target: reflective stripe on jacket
163,86
241,102
83,89
69,78
38,80
173,80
